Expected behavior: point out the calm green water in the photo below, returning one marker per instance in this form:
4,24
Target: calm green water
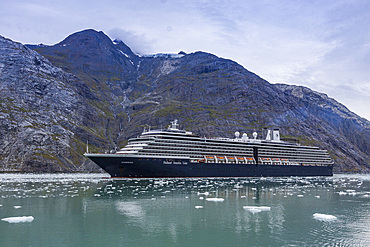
88,210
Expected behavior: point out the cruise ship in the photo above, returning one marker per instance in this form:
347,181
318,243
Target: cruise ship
173,152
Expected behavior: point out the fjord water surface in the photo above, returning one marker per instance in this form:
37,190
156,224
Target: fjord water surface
88,210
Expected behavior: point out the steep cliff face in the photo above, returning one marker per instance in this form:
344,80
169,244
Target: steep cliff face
331,125
109,94
41,109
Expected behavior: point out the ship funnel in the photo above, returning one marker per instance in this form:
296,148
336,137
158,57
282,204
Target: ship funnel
276,135
268,136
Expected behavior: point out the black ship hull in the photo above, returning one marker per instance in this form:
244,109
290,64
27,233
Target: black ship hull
118,166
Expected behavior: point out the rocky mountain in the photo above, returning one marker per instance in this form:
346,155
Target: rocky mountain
42,113
98,90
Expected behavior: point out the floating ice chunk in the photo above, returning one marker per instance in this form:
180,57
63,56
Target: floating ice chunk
215,199
205,193
254,210
342,193
201,198
198,207
299,195
21,219
17,207
265,208
324,217
317,196
257,209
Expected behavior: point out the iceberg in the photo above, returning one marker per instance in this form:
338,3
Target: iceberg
324,217
215,199
205,193
21,219
254,210
198,207
257,209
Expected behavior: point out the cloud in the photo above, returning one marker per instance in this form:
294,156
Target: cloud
139,43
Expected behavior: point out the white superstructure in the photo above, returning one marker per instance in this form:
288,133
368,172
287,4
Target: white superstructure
175,143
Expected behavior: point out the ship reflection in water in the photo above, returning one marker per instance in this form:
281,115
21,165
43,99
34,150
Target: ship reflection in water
89,211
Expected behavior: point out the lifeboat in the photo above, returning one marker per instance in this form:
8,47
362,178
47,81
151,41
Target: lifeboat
221,158
266,160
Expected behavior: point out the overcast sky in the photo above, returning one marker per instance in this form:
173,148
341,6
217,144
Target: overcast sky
324,45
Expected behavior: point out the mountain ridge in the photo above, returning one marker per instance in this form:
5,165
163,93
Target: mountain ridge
123,92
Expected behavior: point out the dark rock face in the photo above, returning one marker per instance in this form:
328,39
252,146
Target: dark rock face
40,109
98,90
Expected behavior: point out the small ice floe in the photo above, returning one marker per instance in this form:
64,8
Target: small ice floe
342,193
262,208
17,207
317,196
198,207
215,199
201,198
21,219
324,217
256,209
205,193
242,196
299,195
